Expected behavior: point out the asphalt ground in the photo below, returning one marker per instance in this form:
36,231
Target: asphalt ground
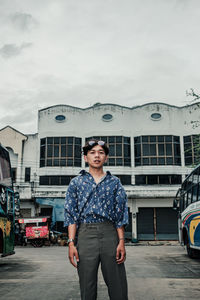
154,271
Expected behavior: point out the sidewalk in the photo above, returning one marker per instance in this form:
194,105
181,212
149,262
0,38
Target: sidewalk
154,243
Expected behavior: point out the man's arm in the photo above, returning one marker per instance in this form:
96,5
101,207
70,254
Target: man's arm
71,216
121,206
121,251
72,253
121,219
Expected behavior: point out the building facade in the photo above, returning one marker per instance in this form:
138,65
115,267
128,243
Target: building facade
152,148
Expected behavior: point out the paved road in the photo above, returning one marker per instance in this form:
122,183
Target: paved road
154,272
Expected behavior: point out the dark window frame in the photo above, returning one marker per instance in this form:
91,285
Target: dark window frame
114,143
150,179
27,176
157,150
14,174
55,179
191,149
125,179
60,151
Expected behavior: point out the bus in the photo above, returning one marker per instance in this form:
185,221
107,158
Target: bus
187,202
7,205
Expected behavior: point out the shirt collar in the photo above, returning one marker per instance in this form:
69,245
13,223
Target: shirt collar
84,172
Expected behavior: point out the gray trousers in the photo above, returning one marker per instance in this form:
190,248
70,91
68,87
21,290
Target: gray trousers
97,243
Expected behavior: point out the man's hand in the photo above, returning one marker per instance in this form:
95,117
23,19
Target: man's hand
73,253
121,253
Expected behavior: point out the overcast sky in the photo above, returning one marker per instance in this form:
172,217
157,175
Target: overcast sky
79,52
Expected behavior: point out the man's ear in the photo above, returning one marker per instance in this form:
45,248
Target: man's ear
85,158
106,158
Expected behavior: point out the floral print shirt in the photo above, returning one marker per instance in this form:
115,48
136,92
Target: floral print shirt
88,202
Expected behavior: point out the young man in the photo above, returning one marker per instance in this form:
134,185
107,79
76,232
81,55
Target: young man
96,205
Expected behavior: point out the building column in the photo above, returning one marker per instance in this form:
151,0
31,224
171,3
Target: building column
134,221
182,151
133,210
132,161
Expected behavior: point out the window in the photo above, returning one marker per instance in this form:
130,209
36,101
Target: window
157,150
125,179
27,174
155,116
119,149
60,152
192,149
14,174
46,211
195,185
60,118
107,117
158,179
55,180
25,212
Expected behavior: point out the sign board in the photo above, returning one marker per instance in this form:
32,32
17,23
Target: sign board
36,220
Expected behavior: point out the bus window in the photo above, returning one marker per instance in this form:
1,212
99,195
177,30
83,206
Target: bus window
196,176
184,201
190,183
198,192
194,193
189,197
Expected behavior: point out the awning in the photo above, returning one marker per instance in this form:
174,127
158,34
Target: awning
57,205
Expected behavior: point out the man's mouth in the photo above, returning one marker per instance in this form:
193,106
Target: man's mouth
97,161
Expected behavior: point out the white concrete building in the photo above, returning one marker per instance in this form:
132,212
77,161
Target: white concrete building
151,149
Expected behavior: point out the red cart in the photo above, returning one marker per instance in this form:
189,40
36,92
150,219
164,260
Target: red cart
36,230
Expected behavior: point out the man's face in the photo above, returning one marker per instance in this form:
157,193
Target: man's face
96,157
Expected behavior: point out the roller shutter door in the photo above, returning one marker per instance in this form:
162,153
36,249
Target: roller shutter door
157,224
166,224
145,227
128,228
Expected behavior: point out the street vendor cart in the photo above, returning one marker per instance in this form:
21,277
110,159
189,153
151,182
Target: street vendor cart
36,230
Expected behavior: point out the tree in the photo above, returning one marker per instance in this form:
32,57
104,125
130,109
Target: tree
194,149
193,94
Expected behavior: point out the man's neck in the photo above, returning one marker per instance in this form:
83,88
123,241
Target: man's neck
96,173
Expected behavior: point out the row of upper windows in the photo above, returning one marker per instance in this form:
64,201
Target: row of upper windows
125,179
148,150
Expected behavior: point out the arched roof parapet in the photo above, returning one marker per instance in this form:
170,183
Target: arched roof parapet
98,104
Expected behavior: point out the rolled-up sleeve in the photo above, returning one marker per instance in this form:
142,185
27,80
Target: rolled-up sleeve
121,208
70,207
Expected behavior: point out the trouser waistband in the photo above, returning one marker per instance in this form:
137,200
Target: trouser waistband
96,224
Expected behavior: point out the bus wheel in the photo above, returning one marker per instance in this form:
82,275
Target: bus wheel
192,253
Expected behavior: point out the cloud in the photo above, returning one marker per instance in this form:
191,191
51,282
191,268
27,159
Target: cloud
10,50
96,51
23,21
24,120
23,115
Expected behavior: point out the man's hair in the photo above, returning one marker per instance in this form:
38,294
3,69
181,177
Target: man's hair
88,147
